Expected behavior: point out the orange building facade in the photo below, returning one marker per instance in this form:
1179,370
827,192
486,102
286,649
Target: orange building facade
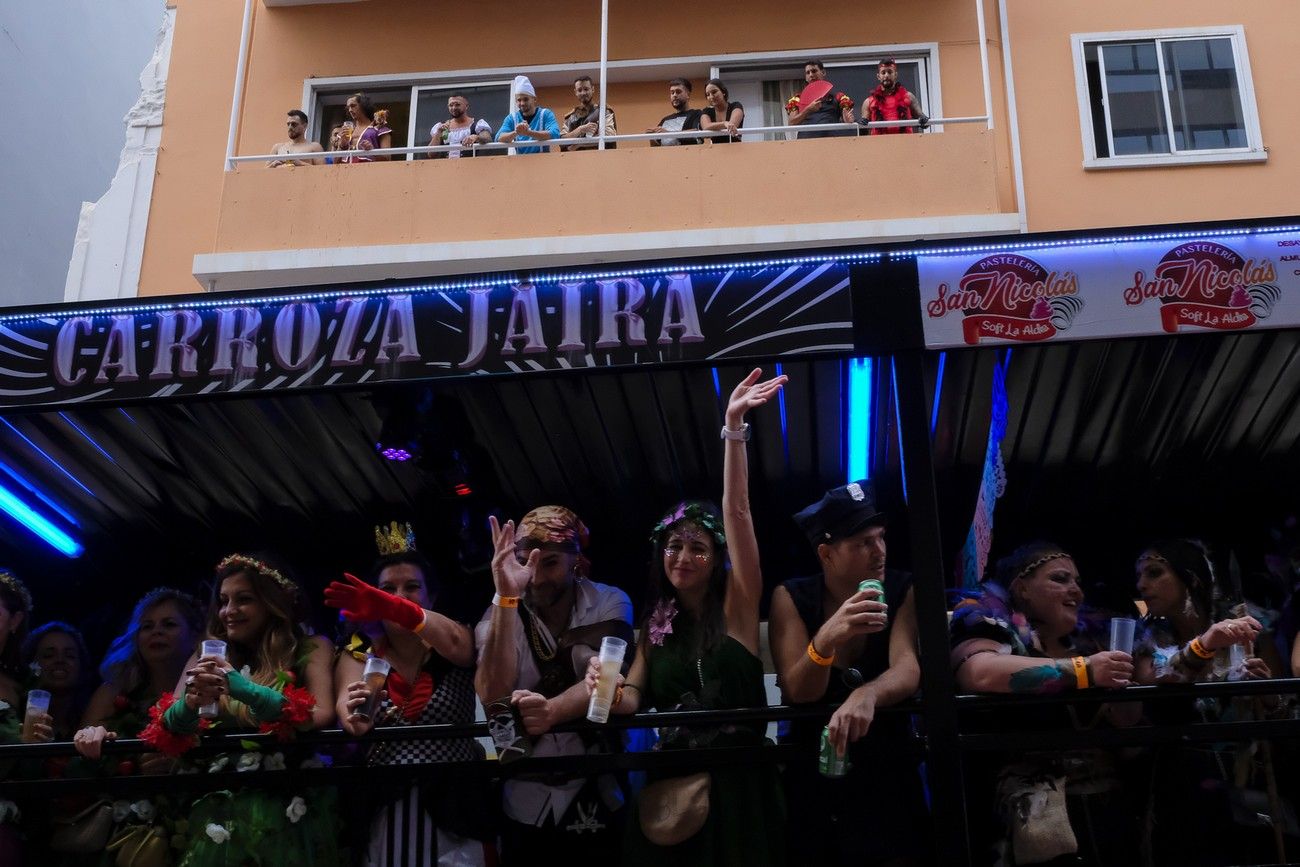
1063,118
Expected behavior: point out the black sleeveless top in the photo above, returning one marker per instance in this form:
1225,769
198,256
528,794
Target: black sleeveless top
808,594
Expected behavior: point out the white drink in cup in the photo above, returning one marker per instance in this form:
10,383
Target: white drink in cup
611,662
1121,633
38,704
215,649
375,676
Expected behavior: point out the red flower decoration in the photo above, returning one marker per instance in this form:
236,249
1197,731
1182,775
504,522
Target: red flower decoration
294,713
167,742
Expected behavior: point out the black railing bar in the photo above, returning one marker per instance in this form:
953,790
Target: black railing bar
551,767
1068,739
1158,692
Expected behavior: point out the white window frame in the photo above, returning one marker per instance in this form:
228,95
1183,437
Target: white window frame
1254,151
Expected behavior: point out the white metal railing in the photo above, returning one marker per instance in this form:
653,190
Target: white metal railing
591,142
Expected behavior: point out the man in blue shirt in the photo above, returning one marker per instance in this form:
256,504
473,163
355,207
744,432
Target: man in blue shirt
527,122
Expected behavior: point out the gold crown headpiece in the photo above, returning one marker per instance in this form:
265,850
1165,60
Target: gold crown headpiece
11,581
258,566
396,539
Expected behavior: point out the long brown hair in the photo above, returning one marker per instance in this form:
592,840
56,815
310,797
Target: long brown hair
281,642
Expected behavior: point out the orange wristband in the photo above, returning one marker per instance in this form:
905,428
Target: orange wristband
1197,648
505,601
1080,671
817,658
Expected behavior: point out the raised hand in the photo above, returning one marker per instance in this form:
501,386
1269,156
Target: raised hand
749,394
510,576
363,603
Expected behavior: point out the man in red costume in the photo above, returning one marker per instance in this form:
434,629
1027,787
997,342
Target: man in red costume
891,101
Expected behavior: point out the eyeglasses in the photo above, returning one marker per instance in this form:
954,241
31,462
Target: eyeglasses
673,552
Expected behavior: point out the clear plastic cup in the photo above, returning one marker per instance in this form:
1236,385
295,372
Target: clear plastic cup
1121,633
375,675
38,704
215,648
1237,662
611,662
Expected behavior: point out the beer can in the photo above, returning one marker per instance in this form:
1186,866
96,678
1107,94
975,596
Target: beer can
873,584
828,762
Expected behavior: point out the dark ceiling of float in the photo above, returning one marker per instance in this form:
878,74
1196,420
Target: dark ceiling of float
1107,443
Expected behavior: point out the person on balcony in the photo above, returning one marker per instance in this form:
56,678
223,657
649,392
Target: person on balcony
459,130
835,643
720,114
582,121
830,106
297,143
400,617
366,130
546,621
528,122
700,651
682,118
891,101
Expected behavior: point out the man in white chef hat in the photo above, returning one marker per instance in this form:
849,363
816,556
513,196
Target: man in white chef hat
528,122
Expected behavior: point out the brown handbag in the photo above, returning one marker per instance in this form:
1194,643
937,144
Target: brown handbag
140,846
84,833
674,810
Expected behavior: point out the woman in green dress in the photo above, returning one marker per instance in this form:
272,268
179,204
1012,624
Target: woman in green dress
699,650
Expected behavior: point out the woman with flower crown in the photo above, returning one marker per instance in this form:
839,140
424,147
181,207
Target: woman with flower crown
699,650
268,681
399,618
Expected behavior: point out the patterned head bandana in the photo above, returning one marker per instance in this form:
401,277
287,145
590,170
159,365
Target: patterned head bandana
552,528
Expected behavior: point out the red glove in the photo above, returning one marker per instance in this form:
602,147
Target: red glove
364,603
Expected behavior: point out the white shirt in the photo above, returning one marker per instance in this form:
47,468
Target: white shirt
528,802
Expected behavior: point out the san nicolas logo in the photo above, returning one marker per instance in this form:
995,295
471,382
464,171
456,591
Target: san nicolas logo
1010,297
1207,285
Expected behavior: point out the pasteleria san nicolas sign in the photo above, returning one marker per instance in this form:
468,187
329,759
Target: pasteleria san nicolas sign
320,338
1080,291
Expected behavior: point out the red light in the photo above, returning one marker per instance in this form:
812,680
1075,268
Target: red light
463,490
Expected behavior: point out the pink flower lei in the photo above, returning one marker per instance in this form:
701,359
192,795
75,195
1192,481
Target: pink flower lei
661,621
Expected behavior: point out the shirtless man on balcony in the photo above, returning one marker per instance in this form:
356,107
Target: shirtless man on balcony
545,624
297,143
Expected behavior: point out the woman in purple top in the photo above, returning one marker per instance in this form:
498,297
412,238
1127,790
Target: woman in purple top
367,130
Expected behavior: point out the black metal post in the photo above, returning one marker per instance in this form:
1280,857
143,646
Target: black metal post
947,792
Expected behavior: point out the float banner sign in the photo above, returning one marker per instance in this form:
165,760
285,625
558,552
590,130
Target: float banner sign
273,343
1118,289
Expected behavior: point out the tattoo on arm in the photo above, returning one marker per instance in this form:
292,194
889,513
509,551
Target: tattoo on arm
1042,680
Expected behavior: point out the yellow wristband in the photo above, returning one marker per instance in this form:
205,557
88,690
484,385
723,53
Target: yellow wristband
1080,671
817,658
1197,648
505,601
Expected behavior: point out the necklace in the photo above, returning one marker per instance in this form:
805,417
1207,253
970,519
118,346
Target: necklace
535,638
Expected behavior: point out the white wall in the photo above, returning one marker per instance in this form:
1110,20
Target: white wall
69,71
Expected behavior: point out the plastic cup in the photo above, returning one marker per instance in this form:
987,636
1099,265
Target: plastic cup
375,675
1121,633
38,704
611,663
216,648
1237,662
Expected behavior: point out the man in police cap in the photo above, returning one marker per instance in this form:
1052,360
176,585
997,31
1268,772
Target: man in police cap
835,643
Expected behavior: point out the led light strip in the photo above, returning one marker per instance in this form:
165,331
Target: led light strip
38,524
858,434
1090,242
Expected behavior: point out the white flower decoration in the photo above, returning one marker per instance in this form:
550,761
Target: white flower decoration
121,809
218,833
249,762
296,810
9,810
219,763
144,809
246,671
4,706
274,762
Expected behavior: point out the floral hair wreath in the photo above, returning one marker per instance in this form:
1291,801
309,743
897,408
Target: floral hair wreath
10,580
696,514
1032,565
258,566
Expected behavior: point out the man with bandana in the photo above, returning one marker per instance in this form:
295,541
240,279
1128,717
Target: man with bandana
545,623
835,643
